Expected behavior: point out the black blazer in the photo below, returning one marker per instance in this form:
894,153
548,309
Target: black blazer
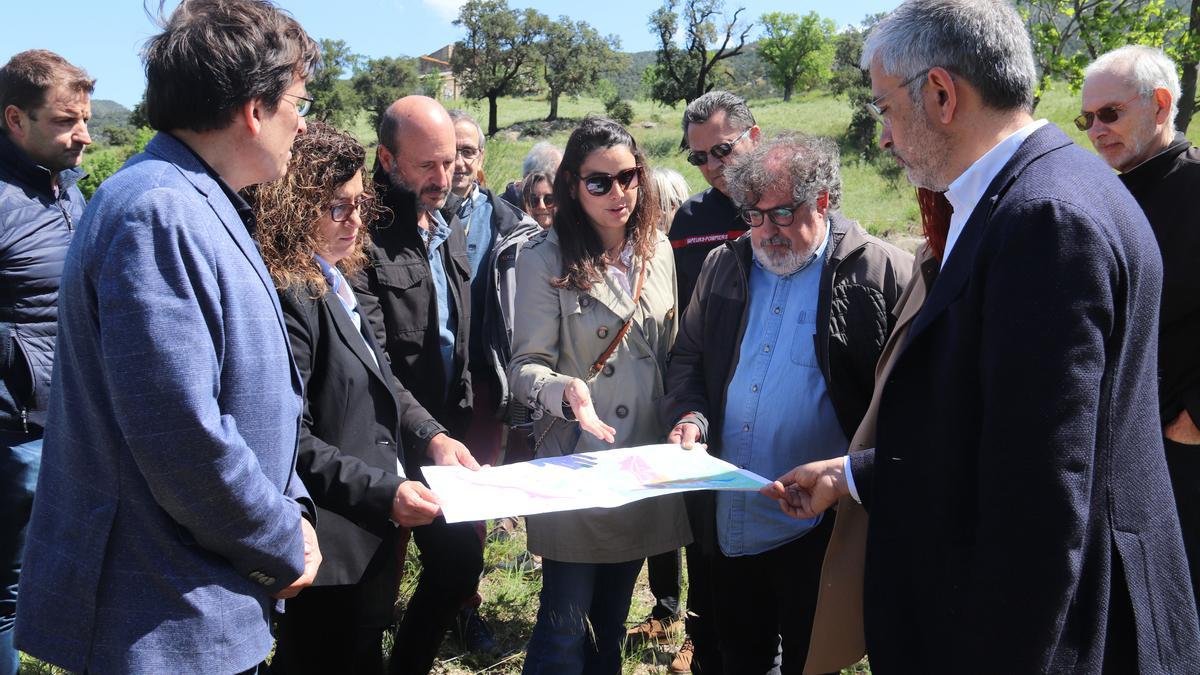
1022,518
350,434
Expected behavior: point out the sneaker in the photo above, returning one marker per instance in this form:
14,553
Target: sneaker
682,663
652,631
474,634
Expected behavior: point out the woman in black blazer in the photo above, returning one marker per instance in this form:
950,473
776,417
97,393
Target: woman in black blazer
311,231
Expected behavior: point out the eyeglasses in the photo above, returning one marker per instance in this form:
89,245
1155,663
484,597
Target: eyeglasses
873,106
781,216
342,211
468,153
546,200
599,184
720,150
1108,114
303,103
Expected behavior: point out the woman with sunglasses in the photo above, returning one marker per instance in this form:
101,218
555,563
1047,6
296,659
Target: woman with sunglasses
537,195
602,264
312,233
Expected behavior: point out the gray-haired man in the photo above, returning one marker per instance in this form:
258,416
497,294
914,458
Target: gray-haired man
773,366
1128,112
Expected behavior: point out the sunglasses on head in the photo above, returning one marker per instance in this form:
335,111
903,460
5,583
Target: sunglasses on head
720,150
1108,114
600,184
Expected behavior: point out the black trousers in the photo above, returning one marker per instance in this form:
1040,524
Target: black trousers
701,620
665,574
767,598
1183,463
451,563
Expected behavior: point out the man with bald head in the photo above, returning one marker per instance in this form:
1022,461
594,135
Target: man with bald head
417,290
1128,111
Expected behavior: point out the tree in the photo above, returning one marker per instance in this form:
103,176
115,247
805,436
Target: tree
1070,34
379,82
496,56
574,57
796,48
854,82
688,72
335,101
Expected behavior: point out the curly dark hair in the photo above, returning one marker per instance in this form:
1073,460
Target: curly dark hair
582,251
323,160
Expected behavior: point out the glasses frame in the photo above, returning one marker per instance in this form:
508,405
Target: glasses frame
355,205
748,215
303,104
545,201
720,150
634,180
475,153
873,105
1085,120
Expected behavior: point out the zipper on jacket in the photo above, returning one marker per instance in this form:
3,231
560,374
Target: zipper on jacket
25,420
67,215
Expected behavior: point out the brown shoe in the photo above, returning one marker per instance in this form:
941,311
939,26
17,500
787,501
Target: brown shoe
649,633
682,662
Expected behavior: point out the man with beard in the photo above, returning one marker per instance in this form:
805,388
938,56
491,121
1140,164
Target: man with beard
1129,108
1021,515
774,365
416,292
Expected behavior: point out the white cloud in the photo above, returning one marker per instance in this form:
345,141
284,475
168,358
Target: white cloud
446,9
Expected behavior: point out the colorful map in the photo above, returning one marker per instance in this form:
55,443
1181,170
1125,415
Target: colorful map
587,480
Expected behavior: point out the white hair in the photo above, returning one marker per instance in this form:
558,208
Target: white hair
1145,68
671,186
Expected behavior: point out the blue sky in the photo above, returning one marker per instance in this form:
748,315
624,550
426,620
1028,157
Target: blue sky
104,36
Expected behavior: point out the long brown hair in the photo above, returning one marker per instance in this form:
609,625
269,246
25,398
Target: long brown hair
582,251
323,160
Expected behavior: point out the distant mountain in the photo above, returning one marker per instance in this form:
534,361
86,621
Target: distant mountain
748,75
107,114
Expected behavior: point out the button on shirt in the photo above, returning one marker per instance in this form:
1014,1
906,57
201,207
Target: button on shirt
447,321
778,413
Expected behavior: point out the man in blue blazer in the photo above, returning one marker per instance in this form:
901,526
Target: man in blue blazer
1021,514
169,513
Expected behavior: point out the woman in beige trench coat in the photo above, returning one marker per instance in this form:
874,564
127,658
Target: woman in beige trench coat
577,284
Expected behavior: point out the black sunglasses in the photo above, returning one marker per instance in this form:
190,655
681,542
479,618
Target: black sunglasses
599,184
341,211
546,200
781,216
1108,114
720,150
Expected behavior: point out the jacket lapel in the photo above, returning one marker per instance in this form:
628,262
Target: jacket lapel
350,336
954,275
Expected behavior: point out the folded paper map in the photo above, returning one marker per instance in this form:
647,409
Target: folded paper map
587,480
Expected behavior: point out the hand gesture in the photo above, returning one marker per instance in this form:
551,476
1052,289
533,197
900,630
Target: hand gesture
445,451
685,434
312,561
579,398
414,504
808,490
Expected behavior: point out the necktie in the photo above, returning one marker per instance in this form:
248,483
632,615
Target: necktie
936,211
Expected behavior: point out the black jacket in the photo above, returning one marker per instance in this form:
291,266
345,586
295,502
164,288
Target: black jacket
1022,519
861,280
399,298
1163,186
36,226
702,223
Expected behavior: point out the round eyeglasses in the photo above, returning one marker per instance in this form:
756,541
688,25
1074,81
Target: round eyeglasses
342,211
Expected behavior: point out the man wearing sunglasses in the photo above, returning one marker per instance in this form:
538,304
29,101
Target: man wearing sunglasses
773,367
1129,104
1021,514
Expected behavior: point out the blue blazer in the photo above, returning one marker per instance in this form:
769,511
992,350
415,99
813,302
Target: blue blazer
1022,519
168,507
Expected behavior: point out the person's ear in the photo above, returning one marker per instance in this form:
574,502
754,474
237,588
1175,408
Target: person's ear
15,120
942,87
386,158
1162,99
251,114
755,134
823,203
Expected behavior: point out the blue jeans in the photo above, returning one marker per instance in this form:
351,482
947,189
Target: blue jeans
581,618
20,458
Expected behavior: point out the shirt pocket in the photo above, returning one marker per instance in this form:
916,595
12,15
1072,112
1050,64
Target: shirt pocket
804,350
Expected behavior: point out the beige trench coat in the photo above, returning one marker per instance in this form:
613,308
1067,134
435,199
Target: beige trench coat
557,335
837,639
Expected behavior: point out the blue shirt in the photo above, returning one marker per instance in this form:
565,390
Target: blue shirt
475,214
778,413
447,321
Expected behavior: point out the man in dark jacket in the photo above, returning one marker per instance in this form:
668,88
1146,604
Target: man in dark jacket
45,103
1129,112
416,292
1021,514
774,366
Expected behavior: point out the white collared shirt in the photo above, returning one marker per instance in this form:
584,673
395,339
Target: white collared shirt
966,190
